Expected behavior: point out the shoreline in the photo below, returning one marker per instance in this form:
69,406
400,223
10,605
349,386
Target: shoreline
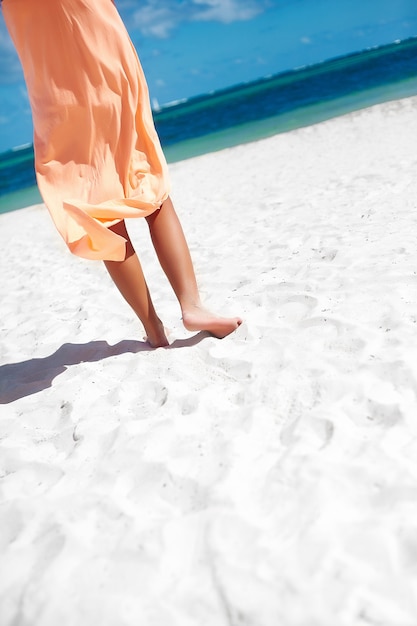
267,478
248,132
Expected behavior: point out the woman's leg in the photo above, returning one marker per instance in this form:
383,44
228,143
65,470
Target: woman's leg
174,256
129,279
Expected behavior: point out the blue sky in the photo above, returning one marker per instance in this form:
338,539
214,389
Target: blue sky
190,47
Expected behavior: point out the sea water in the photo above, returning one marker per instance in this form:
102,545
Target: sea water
255,110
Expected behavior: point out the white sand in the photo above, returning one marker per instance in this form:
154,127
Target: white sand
269,479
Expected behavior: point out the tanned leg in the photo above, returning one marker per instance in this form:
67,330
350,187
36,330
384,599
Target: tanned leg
129,279
174,256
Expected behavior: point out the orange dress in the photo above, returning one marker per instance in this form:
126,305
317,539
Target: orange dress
98,158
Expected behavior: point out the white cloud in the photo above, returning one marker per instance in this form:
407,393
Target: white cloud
156,20
160,17
226,10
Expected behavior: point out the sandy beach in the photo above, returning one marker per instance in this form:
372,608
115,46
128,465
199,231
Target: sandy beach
268,479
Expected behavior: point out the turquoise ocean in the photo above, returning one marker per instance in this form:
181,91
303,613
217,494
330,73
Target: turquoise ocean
251,111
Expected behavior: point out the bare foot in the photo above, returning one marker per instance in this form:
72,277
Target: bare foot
198,318
156,336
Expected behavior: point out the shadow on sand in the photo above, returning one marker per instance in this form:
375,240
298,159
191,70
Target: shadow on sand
18,380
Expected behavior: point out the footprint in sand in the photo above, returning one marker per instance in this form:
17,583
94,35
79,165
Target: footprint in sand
383,414
236,368
66,410
31,479
324,322
311,432
326,254
297,308
154,394
189,404
12,522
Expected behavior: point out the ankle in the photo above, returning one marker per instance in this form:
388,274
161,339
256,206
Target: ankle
156,333
190,305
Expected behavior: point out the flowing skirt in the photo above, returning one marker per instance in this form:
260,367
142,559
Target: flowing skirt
98,158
